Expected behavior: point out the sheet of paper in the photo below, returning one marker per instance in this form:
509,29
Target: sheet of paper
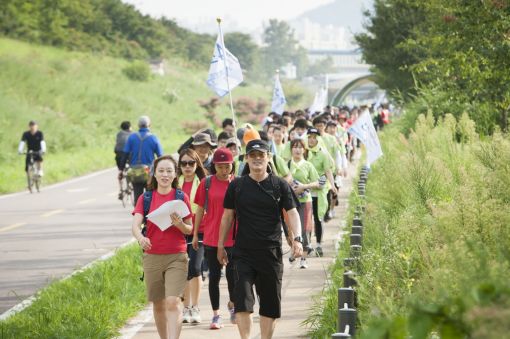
161,216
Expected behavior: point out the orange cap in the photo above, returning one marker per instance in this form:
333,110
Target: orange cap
249,135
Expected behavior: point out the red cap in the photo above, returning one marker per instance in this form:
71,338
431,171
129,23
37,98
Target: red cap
223,156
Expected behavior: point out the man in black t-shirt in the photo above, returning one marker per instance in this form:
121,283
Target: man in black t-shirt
257,200
35,143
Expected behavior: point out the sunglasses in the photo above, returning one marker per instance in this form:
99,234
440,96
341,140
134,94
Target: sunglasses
190,163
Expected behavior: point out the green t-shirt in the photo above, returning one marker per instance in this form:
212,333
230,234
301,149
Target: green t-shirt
281,167
305,173
321,160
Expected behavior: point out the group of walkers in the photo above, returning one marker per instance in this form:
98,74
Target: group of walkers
245,190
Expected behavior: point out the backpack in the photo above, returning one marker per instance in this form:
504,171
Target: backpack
139,173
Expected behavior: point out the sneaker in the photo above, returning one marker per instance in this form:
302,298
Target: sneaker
292,259
318,251
216,323
303,263
309,250
232,312
186,315
195,315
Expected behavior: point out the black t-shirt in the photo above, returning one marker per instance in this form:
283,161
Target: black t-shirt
258,214
33,140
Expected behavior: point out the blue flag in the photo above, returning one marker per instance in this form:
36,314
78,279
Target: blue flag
223,65
279,101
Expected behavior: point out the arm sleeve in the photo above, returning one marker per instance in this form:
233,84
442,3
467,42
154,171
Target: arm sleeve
228,202
283,169
21,146
159,148
139,206
288,200
43,146
200,195
24,136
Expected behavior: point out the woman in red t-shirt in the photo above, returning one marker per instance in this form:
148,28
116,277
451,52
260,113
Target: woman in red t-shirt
210,220
190,172
165,262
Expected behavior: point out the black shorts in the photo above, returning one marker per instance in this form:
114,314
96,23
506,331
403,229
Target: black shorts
118,158
37,157
264,269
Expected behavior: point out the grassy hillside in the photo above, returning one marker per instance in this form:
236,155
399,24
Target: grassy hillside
79,101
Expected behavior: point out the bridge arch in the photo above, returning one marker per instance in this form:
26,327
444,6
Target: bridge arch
344,91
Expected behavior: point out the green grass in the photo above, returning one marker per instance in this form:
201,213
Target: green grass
79,101
95,303
436,238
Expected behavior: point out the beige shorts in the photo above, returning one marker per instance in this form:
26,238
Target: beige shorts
165,275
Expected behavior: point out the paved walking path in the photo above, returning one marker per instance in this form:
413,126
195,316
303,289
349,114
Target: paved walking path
299,285
45,236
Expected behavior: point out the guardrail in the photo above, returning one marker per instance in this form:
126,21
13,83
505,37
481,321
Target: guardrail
347,297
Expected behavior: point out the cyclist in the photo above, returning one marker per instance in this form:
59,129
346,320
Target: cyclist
140,148
35,143
120,142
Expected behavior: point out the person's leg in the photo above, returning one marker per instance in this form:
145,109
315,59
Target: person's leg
267,326
230,274
196,281
269,284
317,220
160,317
244,298
174,316
137,191
244,322
214,279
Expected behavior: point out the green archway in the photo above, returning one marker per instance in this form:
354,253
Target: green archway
343,92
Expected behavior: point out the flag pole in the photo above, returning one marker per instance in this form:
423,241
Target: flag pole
226,71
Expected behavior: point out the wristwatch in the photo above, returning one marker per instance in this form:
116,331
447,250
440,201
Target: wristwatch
299,239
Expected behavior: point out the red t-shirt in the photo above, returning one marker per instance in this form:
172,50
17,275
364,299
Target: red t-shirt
186,188
212,219
172,239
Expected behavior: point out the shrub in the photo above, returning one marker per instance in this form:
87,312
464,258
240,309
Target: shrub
137,71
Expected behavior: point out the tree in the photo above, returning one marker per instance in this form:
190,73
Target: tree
388,28
281,46
243,47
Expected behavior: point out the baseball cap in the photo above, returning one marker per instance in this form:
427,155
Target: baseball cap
257,145
203,138
223,156
249,135
313,131
232,141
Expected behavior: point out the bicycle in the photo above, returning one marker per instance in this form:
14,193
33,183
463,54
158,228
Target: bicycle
33,177
126,189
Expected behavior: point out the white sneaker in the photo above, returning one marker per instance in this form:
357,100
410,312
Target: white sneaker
186,315
303,263
195,315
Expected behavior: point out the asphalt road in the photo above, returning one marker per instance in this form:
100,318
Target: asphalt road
47,236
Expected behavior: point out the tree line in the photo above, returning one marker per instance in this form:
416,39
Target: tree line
118,29
451,53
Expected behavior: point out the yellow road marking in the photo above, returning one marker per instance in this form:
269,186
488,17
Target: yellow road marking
50,213
11,227
83,202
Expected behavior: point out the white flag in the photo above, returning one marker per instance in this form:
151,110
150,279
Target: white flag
223,64
279,100
364,130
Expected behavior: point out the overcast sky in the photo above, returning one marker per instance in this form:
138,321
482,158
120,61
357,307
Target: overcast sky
245,15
